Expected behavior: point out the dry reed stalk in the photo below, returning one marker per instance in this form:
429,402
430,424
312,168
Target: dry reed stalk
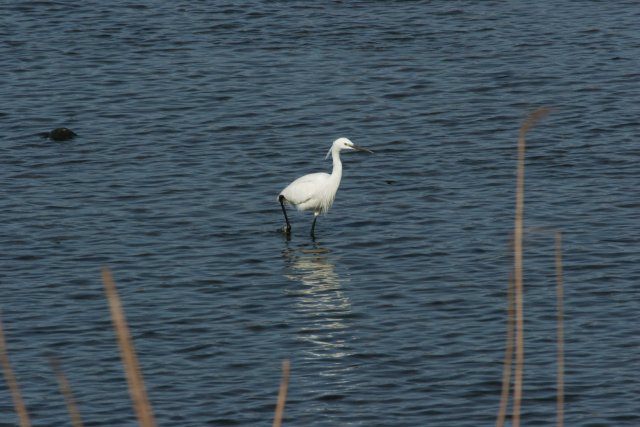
517,251
137,390
65,389
282,394
18,404
560,332
508,357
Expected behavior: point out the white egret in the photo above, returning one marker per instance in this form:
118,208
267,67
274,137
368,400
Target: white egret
317,191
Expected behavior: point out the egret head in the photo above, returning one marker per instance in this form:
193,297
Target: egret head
345,144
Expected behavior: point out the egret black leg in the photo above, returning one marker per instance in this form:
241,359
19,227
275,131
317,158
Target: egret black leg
287,228
313,226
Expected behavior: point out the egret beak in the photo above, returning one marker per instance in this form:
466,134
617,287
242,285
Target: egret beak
358,148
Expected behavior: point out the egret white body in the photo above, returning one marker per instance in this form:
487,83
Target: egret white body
317,191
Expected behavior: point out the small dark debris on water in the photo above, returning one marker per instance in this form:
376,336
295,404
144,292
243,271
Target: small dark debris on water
59,134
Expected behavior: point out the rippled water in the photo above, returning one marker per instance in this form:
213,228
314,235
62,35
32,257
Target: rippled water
192,116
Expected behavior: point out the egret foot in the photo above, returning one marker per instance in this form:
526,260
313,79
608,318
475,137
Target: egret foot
313,226
287,228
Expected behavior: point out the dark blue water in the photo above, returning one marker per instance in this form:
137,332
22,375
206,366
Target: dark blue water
192,116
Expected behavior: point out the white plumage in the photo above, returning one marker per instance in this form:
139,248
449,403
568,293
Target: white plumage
317,191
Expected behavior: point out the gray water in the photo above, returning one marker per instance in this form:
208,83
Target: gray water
192,116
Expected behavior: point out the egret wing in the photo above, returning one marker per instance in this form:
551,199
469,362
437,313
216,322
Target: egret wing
301,192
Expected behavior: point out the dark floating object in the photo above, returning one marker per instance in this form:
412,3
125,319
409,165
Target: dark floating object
59,134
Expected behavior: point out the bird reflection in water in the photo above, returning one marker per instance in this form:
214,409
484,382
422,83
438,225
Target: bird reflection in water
321,304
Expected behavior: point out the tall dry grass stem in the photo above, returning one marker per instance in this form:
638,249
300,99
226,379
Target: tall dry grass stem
18,404
282,394
138,393
517,270
560,332
65,389
508,357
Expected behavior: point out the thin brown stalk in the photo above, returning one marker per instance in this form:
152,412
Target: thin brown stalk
560,333
282,394
65,389
18,404
517,251
137,390
508,357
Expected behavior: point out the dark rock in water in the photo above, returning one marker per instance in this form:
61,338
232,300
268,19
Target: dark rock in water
59,134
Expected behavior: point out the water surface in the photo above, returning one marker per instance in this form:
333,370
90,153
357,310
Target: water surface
193,116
